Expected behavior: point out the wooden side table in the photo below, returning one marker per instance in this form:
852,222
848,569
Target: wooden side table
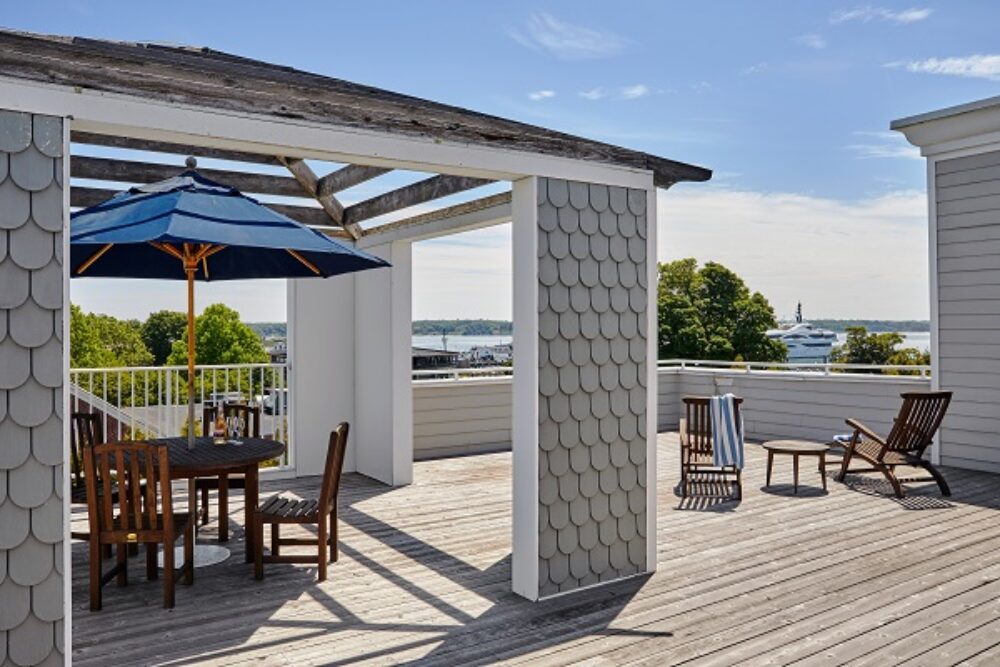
796,448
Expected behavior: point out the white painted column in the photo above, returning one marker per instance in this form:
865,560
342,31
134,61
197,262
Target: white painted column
524,243
382,431
321,357
653,376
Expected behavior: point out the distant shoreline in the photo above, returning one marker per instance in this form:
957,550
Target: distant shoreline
506,327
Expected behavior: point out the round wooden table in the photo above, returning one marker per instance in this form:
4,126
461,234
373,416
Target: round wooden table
210,460
795,449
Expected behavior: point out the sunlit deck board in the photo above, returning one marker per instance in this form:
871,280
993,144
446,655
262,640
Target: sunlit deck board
424,576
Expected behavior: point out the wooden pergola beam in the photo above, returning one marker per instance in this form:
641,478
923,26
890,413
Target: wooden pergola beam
420,225
307,215
426,190
307,178
347,177
126,171
169,147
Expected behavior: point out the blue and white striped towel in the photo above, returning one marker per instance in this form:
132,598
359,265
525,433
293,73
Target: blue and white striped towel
727,432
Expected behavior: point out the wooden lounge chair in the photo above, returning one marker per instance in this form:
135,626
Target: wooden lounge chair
696,444
251,429
140,513
280,509
912,432
85,431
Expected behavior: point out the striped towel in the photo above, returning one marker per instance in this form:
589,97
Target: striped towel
727,432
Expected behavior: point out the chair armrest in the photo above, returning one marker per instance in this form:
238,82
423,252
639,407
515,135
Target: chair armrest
865,431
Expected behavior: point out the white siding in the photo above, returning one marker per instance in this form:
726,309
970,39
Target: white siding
967,191
461,417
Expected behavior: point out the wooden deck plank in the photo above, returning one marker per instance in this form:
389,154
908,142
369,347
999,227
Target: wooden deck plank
424,577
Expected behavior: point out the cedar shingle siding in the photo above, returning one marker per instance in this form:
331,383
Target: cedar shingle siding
31,389
592,383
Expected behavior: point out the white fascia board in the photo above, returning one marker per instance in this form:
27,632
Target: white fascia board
960,130
129,116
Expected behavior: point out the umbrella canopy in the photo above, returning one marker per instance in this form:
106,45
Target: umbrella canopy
131,235
191,228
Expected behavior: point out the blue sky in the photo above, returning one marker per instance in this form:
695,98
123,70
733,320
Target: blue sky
788,102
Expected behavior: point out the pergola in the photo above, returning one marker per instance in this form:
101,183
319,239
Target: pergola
584,249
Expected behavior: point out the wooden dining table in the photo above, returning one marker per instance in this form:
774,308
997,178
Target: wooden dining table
208,459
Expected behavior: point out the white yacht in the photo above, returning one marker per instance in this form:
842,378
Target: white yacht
805,342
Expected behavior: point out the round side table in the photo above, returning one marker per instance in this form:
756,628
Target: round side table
795,449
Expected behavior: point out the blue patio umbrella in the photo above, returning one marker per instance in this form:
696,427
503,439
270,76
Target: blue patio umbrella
191,228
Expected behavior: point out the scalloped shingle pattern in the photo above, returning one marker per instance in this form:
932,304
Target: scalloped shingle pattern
31,361
592,291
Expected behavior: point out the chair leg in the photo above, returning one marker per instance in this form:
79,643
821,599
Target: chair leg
168,572
121,551
275,539
938,477
95,574
151,567
223,508
322,548
204,505
848,453
891,476
684,482
739,484
106,550
334,538
258,552
189,554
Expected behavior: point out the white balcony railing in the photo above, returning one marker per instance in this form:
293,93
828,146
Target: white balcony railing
821,368
151,401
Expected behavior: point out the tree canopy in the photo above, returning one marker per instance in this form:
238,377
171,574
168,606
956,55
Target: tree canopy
102,341
710,313
220,338
159,332
879,349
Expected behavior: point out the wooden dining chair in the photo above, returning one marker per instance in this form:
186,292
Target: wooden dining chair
141,513
223,483
322,511
696,443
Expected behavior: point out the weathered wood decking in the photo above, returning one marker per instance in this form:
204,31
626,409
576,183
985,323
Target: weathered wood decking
424,575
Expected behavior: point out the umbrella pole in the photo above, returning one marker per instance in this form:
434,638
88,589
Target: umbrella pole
190,270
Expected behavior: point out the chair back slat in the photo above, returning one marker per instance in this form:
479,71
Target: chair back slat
918,420
86,431
699,422
117,503
249,413
335,453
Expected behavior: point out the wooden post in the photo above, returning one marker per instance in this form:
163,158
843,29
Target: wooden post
190,267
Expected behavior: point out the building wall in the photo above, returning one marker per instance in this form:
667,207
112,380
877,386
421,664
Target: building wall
967,196
461,417
31,389
592,383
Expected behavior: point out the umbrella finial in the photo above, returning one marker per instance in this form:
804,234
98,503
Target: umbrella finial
190,162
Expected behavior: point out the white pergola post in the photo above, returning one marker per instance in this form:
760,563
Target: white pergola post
382,431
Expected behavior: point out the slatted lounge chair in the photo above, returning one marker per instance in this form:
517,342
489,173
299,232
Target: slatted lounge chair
912,433
696,444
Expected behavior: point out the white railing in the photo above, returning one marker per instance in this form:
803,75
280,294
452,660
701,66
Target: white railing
151,401
462,373
810,367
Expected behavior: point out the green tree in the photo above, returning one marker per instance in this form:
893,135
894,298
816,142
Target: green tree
878,349
159,332
709,313
220,338
102,341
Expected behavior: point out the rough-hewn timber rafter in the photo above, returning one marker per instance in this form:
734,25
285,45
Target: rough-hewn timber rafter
307,178
347,177
426,190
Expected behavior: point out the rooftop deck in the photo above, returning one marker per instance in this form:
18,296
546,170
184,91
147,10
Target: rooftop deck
424,575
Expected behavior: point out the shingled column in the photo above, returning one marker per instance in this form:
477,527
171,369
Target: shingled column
31,389
581,427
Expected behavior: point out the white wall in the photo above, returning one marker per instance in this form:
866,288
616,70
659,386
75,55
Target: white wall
461,417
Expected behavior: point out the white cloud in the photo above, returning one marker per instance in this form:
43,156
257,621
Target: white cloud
541,95
983,66
544,32
634,92
593,94
869,13
812,40
883,145
864,258
754,69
